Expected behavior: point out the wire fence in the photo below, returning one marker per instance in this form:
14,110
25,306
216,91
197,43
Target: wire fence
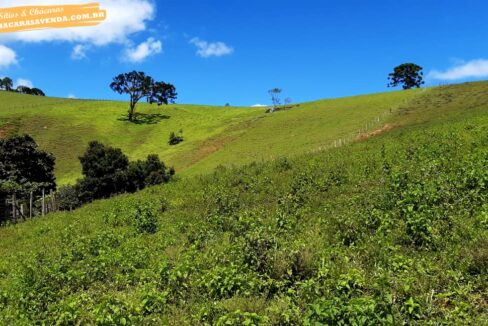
374,125
15,208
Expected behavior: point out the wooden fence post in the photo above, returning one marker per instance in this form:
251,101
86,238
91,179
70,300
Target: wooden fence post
53,201
14,212
30,205
43,202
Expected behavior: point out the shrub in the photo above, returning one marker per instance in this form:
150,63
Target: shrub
242,318
483,217
227,281
68,198
150,172
477,256
107,172
176,279
145,220
283,164
153,301
257,251
175,139
341,311
115,312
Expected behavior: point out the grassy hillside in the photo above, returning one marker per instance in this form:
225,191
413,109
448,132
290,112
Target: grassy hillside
392,229
214,135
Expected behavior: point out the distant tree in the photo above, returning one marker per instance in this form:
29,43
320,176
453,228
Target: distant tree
138,86
24,167
288,101
6,84
37,92
275,98
24,90
409,75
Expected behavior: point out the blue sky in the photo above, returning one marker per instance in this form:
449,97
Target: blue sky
233,51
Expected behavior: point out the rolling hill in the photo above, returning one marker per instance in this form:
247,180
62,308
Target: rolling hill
390,228
213,135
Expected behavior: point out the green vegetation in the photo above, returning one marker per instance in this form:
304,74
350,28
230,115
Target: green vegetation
389,230
215,135
138,86
107,172
25,172
7,84
409,75
175,138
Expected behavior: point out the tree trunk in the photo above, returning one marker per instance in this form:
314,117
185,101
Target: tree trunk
131,111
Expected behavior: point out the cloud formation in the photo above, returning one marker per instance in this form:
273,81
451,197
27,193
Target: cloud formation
211,49
79,52
463,70
143,50
23,82
8,57
124,17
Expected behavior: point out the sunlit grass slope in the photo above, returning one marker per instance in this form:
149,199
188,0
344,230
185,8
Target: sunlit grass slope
388,230
213,135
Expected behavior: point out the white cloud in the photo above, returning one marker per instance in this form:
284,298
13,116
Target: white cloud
258,105
71,96
79,52
211,49
462,70
23,82
8,57
143,50
124,17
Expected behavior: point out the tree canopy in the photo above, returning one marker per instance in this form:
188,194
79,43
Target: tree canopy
409,75
6,84
24,166
107,171
138,86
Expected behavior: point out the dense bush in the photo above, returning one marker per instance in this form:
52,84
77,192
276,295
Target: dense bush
107,172
145,219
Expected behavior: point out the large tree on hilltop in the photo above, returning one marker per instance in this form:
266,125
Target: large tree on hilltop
409,75
138,86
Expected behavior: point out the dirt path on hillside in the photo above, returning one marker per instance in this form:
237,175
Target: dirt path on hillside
5,131
387,127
